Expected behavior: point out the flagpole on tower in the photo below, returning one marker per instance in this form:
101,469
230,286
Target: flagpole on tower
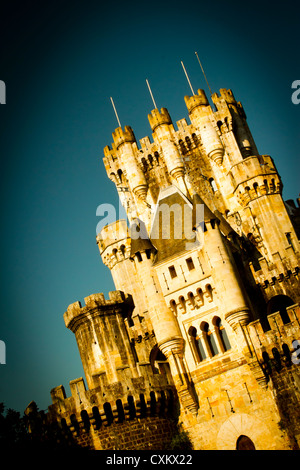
187,77
203,73
112,102
151,93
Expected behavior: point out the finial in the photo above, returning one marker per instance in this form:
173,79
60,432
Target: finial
187,78
112,102
151,94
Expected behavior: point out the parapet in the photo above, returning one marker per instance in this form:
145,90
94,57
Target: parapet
194,101
157,118
76,312
121,136
278,335
112,234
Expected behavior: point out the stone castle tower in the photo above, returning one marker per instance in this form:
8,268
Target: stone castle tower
203,326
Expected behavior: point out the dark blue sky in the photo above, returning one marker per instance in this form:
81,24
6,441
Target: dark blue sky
61,62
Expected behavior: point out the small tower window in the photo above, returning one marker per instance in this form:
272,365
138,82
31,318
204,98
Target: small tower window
120,174
172,271
190,264
213,185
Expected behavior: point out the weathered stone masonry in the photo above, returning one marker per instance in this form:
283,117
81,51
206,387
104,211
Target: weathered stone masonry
200,330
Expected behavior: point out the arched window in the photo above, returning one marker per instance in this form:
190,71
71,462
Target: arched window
182,303
209,292
197,347
182,147
120,174
123,249
209,340
150,159
191,299
188,142
221,335
195,139
173,306
244,443
200,295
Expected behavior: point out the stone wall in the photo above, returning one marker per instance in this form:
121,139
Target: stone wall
151,433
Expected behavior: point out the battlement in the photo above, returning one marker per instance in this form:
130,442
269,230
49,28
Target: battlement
158,118
277,338
194,101
121,136
96,418
259,171
227,95
273,273
97,302
112,234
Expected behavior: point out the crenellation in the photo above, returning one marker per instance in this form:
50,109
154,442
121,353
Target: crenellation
202,332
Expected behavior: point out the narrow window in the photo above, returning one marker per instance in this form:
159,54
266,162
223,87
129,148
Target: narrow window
213,185
190,264
289,239
209,340
196,344
172,271
221,334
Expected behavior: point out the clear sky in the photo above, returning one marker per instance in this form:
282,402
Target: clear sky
61,62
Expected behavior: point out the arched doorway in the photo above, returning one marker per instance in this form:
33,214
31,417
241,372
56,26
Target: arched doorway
244,443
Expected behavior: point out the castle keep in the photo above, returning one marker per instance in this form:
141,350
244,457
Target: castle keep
202,329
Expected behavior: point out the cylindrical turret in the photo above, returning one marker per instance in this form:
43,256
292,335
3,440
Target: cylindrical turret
101,334
161,125
114,245
240,127
165,325
123,141
234,304
200,111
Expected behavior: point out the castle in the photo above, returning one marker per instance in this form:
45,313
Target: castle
202,329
